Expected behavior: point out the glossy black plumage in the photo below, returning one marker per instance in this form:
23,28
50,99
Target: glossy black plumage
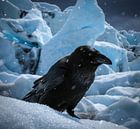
67,80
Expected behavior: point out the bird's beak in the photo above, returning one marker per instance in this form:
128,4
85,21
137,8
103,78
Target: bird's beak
103,60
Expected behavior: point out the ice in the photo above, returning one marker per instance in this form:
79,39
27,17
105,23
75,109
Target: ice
104,70
113,36
105,82
9,62
53,15
132,37
19,114
135,64
79,28
23,5
30,30
7,9
22,58
16,86
124,112
124,91
23,38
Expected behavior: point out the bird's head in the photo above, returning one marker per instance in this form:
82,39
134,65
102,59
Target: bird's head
89,55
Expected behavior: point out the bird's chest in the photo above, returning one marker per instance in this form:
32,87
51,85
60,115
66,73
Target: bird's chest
80,81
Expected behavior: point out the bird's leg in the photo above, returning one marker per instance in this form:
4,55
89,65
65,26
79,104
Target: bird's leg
71,113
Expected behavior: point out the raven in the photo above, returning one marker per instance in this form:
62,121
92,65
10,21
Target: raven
67,80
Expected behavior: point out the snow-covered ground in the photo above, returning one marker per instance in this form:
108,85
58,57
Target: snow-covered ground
32,43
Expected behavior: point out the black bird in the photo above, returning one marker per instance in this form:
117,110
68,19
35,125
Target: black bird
67,80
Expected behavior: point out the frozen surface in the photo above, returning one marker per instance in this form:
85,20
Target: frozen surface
113,36
8,61
53,15
105,82
22,58
123,112
132,37
30,30
16,86
18,114
23,5
7,9
79,28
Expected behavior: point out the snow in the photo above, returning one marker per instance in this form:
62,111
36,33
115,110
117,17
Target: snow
46,34
79,28
34,116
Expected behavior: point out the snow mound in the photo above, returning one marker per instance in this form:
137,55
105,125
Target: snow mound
18,114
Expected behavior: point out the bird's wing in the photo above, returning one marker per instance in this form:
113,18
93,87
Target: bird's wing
54,77
49,81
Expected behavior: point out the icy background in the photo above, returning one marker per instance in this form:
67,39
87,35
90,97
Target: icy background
34,35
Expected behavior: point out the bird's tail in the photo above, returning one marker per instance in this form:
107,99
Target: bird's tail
31,97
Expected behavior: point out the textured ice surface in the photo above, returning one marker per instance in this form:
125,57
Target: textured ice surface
123,112
105,82
30,30
113,36
17,114
23,5
53,15
132,37
16,86
7,9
